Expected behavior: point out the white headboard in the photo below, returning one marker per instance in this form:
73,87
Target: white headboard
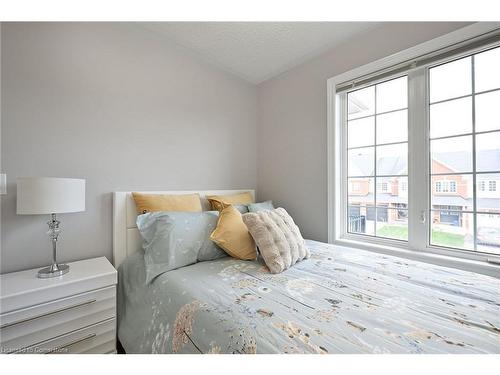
126,237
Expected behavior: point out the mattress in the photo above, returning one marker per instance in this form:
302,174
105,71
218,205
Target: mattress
337,301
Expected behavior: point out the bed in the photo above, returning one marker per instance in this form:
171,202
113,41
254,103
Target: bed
337,301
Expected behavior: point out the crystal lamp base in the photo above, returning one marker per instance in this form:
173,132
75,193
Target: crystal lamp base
53,271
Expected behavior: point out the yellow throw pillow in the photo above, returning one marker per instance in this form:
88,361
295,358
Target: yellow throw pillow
160,202
219,201
231,234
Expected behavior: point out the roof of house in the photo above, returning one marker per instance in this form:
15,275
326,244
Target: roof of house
362,164
460,161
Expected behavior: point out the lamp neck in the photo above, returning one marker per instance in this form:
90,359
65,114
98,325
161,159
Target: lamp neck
53,228
53,233
54,269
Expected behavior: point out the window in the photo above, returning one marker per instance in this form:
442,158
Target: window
453,187
439,189
464,145
377,148
356,187
446,186
446,112
383,187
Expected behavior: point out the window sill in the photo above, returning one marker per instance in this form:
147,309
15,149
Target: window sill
481,267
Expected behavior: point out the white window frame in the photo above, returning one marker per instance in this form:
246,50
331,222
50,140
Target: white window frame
418,245
452,186
356,186
445,186
438,186
383,187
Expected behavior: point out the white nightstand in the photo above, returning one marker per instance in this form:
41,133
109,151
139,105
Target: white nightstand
73,313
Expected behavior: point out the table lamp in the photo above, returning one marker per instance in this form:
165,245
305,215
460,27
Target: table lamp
50,196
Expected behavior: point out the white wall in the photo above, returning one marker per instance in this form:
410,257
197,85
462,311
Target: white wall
292,121
118,106
1,170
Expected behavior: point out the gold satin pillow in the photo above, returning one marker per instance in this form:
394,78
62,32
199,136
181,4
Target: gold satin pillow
161,202
219,201
231,234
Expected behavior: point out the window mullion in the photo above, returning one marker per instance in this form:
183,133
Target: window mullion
375,172
418,162
342,184
474,177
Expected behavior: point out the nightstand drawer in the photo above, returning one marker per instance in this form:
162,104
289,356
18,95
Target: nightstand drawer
26,327
97,338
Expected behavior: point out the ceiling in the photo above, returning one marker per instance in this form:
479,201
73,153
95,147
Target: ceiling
257,51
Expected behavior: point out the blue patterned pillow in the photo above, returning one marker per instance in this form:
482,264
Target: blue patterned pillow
177,239
256,207
241,207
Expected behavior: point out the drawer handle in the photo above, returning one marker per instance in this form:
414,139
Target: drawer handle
48,313
58,348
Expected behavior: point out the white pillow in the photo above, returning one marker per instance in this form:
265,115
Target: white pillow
277,237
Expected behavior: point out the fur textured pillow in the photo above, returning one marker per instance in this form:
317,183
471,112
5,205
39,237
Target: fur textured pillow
277,237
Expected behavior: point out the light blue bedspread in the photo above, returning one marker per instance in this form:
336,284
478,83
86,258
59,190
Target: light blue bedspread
338,301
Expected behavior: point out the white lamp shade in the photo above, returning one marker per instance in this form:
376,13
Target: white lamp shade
49,195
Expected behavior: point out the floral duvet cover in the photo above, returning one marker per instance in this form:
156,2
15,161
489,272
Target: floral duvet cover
337,301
